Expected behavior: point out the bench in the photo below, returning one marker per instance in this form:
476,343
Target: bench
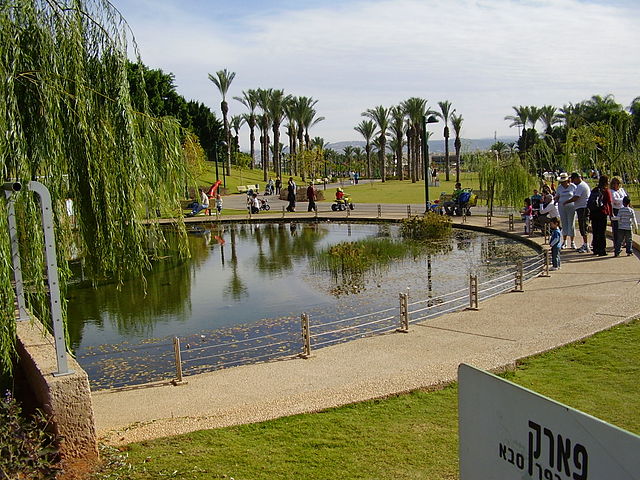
246,188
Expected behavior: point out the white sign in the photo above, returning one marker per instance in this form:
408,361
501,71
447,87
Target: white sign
509,432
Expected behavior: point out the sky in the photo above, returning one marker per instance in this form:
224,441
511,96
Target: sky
484,56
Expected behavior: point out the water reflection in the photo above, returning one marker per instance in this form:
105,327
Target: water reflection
242,274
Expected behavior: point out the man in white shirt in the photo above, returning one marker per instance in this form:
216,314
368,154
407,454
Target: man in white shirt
579,199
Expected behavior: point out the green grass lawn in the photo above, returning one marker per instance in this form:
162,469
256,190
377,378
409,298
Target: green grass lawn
404,192
411,436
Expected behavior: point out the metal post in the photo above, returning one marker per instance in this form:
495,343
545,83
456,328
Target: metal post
546,233
545,265
511,227
306,336
315,210
473,292
379,210
283,212
178,357
348,211
52,277
488,218
404,313
464,216
519,278
15,250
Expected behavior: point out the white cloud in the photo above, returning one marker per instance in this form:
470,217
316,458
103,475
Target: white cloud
483,55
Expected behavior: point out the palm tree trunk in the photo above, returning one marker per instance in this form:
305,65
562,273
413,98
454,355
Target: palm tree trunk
368,150
382,159
276,149
252,139
457,144
446,151
225,109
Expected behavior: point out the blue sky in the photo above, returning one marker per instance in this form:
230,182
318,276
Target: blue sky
482,55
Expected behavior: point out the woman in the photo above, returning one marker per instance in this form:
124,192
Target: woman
617,195
566,208
599,212
291,195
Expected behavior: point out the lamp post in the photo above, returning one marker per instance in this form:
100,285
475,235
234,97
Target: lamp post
215,158
425,149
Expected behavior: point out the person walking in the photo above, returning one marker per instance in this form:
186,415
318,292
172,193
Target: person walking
291,195
600,209
579,199
278,185
311,196
564,193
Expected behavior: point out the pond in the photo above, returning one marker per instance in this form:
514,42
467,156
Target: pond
240,296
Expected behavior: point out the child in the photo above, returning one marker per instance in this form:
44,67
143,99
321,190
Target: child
554,243
527,215
218,203
626,219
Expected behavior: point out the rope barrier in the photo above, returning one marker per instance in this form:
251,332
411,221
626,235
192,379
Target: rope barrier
466,297
352,327
353,318
236,351
360,335
195,349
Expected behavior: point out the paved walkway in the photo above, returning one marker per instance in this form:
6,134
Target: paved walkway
587,295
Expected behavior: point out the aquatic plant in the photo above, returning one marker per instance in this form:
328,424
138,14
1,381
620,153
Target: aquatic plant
429,227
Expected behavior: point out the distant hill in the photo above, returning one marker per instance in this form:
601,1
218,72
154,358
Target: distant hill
437,146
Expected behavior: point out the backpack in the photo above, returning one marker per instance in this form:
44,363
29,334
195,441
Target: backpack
595,201
464,197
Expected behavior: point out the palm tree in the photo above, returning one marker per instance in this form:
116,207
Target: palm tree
520,118
348,151
366,128
549,116
236,123
415,109
263,121
456,123
380,115
445,112
275,105
534,115
223,80
250,100
398,129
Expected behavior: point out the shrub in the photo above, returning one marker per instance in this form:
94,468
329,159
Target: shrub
431,226
27,450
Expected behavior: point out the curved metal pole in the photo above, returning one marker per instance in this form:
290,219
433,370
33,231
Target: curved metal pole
52,276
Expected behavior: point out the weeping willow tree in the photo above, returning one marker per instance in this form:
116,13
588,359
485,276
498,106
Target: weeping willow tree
67,121
506,180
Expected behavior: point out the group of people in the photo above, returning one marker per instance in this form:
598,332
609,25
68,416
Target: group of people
573,198
203,203
273,188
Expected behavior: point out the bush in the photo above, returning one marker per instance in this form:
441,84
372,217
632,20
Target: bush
431,226
27,450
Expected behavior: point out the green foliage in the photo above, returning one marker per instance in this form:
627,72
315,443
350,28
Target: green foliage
66,110
506,180
27,449
430,227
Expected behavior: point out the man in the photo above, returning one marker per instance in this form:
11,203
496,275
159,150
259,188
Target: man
450,206
198,207
579,199
311,196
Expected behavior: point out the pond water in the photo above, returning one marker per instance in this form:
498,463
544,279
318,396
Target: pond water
246,284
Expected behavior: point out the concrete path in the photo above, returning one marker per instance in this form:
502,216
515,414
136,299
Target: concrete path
587,295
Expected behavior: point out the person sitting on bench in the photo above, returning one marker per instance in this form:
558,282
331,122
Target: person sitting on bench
450,206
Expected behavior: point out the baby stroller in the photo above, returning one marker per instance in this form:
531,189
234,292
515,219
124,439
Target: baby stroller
264,204
461,206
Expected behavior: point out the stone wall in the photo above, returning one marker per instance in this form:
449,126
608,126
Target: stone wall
65,399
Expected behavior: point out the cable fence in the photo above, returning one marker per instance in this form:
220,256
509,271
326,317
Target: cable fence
114,366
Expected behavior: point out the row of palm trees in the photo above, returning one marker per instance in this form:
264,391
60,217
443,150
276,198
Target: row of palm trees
595,133
404,126
268,110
